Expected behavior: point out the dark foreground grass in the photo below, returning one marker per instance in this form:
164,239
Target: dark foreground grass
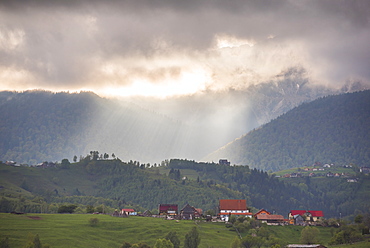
73,230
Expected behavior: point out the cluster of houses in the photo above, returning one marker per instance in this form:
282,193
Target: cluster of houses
318,170
228,208
316,174
41,165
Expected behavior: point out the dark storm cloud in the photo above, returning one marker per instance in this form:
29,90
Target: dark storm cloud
67,44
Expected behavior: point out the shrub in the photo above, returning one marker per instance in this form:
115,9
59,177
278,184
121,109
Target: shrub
93,221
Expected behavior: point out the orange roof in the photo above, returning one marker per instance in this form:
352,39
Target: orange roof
233,205
262,211
270,217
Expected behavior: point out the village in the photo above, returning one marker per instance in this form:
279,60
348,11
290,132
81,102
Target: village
318,169
228,209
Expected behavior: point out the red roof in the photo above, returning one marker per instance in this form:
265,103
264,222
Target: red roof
128,210
233,205
166,207
314,213
295,212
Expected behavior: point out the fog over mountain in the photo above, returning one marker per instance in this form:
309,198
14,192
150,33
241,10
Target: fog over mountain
45,126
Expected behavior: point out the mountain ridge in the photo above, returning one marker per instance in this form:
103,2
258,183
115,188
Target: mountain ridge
332,129
43,126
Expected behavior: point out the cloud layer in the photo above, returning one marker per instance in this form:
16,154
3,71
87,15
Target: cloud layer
179,47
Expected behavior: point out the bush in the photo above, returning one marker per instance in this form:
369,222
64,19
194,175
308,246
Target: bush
67,208
93,221
346,235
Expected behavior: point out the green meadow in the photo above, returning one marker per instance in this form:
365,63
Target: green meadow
74,230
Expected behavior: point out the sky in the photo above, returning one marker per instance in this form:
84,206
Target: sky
166,48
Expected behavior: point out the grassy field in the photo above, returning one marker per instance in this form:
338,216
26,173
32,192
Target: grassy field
73,230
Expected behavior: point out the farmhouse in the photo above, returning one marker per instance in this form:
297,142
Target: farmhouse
268,218
189,213
308,216
168,209
233,207
365,170
128,211
261,212
224,162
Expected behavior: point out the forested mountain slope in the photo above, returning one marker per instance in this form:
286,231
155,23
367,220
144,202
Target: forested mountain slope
42,126
333,129
116,184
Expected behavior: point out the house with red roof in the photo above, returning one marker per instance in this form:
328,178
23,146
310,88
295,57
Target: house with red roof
309,216
168,209
128,211
233,207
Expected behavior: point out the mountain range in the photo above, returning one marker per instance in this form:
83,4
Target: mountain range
40,126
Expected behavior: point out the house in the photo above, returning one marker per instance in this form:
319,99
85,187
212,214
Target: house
365,170
297,220
12,163
271,219
119,214
168,209
329,174
266,217
223,162
233,207
261,212
305,246
308,216
189,213
352,180
128,211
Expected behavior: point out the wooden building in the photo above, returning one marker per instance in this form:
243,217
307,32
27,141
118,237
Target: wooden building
189,213
308,216
168,209
233,207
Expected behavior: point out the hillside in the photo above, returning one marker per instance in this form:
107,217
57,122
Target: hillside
110,182
116,184
333,129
